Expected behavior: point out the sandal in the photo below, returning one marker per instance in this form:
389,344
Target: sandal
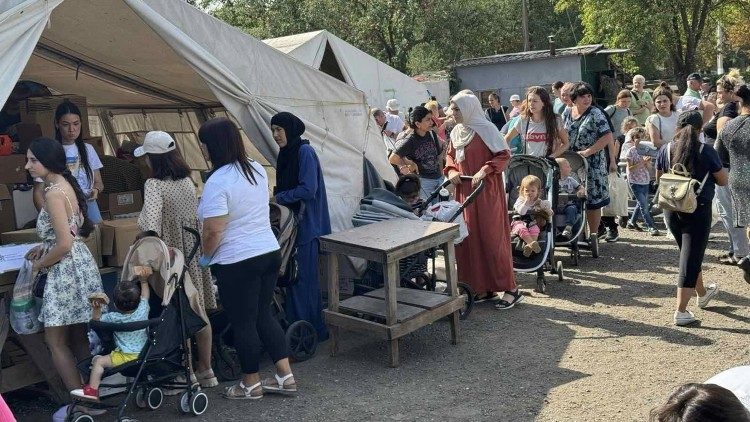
728,259
488,296
240,392
279,385
207,379
504,304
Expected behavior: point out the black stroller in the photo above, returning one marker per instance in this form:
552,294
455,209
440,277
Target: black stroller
381,205
547,171
579,170
165,356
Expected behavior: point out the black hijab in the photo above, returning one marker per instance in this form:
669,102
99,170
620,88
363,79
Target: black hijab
287,164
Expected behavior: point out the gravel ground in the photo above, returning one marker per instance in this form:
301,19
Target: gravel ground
600,346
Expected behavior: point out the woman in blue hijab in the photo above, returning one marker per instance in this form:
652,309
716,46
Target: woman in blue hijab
300,186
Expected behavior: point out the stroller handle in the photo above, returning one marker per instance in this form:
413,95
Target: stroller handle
196,243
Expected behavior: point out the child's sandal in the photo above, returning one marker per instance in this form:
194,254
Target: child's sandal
280,384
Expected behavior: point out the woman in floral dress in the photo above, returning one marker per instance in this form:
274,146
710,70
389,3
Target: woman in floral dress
72,274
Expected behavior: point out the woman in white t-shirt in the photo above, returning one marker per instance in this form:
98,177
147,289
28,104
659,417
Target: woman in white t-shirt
81,158
662,124
244,256
541,130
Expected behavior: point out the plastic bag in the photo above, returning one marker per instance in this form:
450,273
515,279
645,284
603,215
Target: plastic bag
618,197
24,307
443,211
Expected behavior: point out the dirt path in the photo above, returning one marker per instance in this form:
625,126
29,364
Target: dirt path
601,347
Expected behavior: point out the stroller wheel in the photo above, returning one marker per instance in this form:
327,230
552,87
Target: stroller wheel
465,289
560,271
302,340
79,417
154,398
140,398
225,362
193,402
541,284
594,245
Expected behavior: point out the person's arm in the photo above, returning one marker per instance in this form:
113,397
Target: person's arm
213,232
512,133
581,191
96,309
562,135
56,206
599,145
38,195
721,177
98,185
307,186
405,165
612,147
151,217
721,122
451,167
708,111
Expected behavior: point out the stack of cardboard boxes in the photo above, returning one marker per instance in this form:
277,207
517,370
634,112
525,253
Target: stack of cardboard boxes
110,242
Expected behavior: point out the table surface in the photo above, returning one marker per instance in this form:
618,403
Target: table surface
390,235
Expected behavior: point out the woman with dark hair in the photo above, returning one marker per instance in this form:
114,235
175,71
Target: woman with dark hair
701,403
420,152
244,256
541,130
690,230
734,147
80,157
300,186
169,204
72,274
662,124
590,134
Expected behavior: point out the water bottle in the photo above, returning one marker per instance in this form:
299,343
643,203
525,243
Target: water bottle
444,195
24,315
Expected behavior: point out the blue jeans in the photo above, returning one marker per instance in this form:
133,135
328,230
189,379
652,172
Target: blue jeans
642,208
571,214
429,186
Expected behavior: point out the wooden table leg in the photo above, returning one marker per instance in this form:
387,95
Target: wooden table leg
452,281
332,273
392,280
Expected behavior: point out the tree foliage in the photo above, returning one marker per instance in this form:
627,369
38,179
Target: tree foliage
410,35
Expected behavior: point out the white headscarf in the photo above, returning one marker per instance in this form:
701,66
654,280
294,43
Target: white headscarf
474,122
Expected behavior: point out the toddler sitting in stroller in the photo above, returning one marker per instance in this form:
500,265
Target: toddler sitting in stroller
571,192
408,188
532,215
131,300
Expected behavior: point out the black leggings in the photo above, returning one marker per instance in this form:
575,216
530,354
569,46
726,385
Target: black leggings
691,233
246,291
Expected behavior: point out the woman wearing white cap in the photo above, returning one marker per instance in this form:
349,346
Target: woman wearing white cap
515,101
169,204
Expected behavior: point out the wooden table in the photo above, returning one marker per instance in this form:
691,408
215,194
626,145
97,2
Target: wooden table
404,310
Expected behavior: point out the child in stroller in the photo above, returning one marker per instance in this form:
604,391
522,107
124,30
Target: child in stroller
532,215
131,300
571,192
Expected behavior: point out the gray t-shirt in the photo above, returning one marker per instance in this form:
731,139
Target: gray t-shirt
616,116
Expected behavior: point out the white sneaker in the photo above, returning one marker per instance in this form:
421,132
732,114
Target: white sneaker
684,318
711,291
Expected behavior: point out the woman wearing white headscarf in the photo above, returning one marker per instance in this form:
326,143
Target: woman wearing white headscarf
477,149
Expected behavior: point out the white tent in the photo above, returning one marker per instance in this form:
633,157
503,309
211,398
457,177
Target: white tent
329,53
163,64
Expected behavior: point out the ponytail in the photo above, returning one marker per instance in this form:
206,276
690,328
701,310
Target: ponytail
87,227
685,148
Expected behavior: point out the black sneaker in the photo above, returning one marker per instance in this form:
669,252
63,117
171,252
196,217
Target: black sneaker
612,236
601,232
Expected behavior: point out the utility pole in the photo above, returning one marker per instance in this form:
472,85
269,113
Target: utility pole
525,24
719,52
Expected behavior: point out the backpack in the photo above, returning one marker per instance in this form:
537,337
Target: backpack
678,191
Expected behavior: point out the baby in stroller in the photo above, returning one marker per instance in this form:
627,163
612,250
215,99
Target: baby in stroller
131,300
532,215
408,188
571,191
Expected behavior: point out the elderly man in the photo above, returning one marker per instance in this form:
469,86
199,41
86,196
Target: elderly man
389,125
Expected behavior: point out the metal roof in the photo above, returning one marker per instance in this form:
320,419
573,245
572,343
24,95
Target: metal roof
580,50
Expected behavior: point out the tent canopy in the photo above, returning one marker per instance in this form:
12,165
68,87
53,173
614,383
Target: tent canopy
330,54
157,56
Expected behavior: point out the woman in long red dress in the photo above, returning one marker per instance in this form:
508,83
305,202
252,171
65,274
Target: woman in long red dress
478,149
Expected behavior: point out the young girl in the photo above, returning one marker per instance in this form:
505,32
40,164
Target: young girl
570,186
639,177
533,214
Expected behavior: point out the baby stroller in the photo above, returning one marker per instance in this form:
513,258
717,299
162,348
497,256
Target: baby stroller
382,205
301,336
171,322
547,171
579,170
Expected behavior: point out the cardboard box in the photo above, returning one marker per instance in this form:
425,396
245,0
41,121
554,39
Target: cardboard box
114,204
41,110
93,242
98,143
117,237
27,132
12,169
7,212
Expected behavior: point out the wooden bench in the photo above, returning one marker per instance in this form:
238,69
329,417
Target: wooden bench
390,312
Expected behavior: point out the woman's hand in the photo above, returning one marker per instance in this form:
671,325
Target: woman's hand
478,176
35,253
94,194
454,176
612,166
584,153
